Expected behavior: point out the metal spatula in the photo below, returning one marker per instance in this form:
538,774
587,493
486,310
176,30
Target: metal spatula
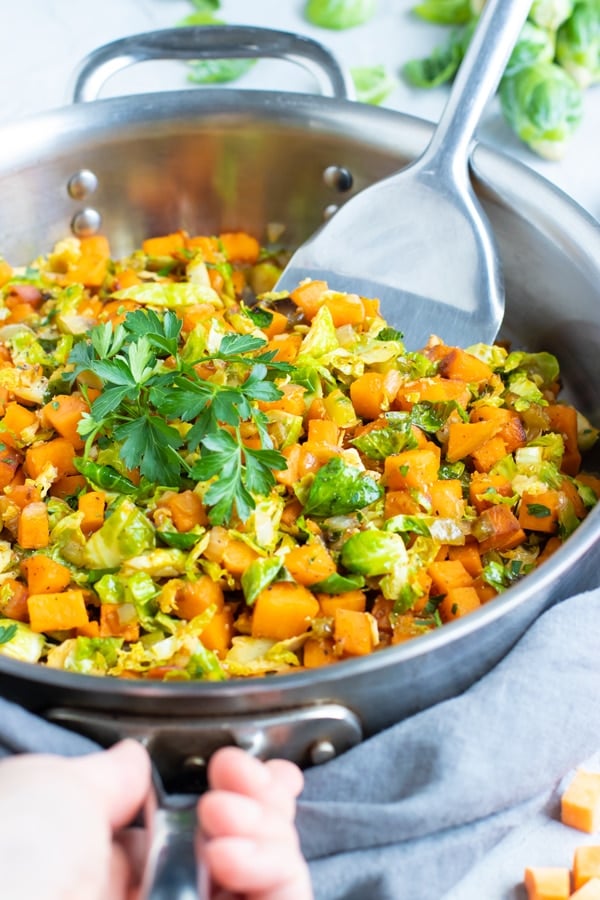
419,240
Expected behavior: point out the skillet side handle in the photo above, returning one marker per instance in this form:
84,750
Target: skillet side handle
173,870
210,42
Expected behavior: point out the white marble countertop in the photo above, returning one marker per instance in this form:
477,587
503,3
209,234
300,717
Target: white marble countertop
47,39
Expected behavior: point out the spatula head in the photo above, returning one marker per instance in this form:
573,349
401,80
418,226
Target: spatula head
425,249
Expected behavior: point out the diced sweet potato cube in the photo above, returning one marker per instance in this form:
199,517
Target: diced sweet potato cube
355,633
589,891
580,803
57,612
329,603
412,468
319,652
586,865
459,602
448,574
283,610
498,529
547,883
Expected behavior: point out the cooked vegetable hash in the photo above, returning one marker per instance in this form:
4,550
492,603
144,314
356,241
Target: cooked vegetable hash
202,479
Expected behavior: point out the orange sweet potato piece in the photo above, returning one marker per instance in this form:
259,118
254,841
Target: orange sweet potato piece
447,498
465,437
490,453
6,272
463,366
13,600
286,346
319,652
22,494
44,575
510,425
329,603
16,419
186,508
57,612
412,468
64,413
468,555
165,245
373,392
208,245
310,563
283,610
93,505
192,598
218,633
459,601
432,390
586,865
240,246
92,266
483,486
67,486
354,632
563,419
345,309
237,556
580,802
9,463
448,574
589,891
291,401
400,503
539,512
547,883
33,531
309,297
499,529
112,624
58,452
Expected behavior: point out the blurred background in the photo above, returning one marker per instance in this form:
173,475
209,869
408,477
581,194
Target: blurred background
48,38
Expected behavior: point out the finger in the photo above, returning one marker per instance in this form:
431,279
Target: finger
274,784
270,870
224,814
120,777
134,842
118,876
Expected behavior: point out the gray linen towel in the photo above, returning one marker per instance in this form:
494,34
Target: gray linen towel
409,812
416,810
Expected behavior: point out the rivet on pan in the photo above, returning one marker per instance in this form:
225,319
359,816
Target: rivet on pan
86,222
194,763
322,751
329,211
339,178
82,184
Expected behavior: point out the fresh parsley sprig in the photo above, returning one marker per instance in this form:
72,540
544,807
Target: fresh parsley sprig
172,423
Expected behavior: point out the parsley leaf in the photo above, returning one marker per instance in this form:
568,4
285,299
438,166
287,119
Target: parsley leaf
162,413
7,633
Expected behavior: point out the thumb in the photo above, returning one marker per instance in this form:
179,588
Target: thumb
120,777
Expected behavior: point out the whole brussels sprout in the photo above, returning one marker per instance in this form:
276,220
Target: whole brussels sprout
373,552
543,105
578,44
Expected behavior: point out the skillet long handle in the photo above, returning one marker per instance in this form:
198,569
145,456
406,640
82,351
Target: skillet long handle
211,42
173,870
477,78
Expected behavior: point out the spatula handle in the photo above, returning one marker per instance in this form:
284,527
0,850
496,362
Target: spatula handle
478,77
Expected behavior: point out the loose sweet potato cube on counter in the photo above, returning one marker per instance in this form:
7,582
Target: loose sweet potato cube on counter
586,865
589,891
580,803
547,883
